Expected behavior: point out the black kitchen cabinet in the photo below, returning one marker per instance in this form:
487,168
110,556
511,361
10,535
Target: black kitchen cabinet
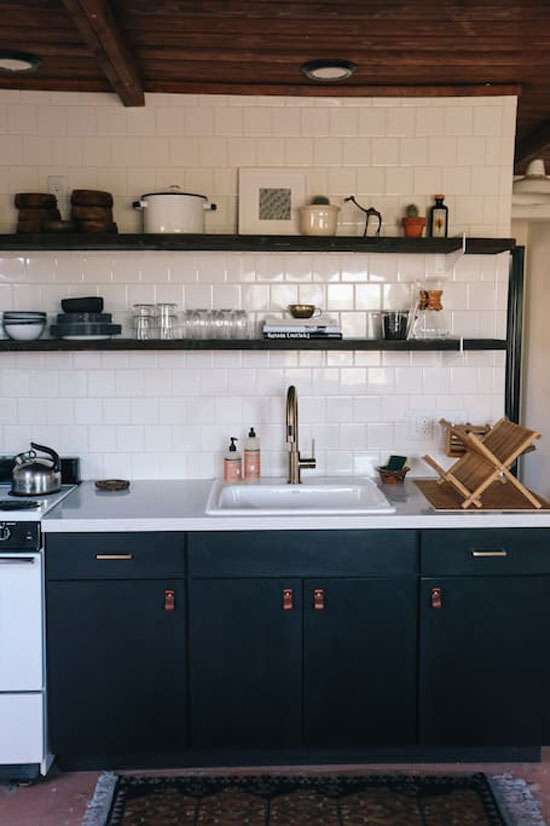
482,659
246,655
116,670
360,662
291,661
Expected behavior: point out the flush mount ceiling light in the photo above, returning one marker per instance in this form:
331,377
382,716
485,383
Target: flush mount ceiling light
18,62
328,71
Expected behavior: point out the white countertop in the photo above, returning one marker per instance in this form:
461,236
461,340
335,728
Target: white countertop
179,505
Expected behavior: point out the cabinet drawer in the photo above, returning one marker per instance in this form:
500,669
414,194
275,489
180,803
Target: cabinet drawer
302,553
486,551
115,555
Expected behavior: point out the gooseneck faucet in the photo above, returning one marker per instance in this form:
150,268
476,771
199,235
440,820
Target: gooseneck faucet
295,461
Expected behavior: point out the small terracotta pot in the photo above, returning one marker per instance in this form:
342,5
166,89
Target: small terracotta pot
414,227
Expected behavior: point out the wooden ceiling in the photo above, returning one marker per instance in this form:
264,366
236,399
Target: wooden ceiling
401,47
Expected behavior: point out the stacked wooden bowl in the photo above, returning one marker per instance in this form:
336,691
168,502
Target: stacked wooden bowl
37,210
92,211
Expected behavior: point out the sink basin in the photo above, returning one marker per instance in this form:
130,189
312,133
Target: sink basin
274,497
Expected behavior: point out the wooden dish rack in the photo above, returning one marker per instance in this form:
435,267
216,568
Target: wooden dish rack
487,460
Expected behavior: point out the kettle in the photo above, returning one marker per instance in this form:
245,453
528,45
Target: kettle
35,475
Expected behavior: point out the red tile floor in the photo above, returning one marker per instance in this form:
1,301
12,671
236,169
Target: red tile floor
60,799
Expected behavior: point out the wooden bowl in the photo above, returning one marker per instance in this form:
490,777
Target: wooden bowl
112,484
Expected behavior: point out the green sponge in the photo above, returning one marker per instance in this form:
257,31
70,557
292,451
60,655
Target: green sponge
396,462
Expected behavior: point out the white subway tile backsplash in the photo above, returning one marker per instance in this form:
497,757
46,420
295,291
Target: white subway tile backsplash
176,409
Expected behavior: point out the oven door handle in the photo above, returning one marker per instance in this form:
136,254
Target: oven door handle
17,560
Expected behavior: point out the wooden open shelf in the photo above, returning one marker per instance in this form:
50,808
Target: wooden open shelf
249,243
453,344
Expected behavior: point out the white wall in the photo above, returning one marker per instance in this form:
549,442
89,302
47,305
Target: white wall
535,467
169,414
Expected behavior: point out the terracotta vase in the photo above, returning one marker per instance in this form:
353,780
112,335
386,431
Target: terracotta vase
414,227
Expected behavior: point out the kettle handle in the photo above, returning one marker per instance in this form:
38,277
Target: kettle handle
50,452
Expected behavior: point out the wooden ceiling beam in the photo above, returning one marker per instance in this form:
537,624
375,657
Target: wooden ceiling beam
359,90
533,145
98,27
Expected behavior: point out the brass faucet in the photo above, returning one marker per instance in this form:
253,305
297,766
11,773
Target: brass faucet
295,461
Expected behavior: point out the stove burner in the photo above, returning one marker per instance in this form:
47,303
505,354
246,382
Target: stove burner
18,505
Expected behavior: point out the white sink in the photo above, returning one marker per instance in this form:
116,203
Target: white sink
274,497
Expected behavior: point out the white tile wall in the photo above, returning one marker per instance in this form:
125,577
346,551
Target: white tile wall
388,152
169,415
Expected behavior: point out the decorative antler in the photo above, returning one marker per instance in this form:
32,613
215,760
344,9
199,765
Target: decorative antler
368,212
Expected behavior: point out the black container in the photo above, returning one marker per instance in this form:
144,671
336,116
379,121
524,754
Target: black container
394,325
88,304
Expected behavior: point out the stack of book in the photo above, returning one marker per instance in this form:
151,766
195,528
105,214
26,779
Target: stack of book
321,327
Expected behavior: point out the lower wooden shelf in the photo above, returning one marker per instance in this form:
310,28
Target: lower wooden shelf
47,344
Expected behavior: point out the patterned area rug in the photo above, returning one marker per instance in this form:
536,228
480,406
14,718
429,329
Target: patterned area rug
377,800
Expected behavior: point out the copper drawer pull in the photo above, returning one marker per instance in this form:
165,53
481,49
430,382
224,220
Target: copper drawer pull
437,601
114,557
485,554
319,599
169,600
288,599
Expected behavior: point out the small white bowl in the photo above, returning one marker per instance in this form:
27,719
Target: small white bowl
24,332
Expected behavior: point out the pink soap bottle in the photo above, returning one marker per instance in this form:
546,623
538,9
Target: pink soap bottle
232,463
252,467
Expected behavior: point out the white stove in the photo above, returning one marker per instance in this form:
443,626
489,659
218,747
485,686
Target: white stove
23,744
28,508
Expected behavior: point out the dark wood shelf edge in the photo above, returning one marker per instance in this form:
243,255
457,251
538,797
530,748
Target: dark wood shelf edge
52,242
53,345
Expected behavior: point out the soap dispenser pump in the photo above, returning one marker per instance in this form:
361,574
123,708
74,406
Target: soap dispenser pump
232,463
252,456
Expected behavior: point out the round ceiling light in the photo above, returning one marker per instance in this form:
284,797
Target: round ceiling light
18,62
328,71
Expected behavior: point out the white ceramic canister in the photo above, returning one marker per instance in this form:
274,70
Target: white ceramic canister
173,211
319,219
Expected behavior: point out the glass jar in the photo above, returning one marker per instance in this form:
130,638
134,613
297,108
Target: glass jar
145,321
168,319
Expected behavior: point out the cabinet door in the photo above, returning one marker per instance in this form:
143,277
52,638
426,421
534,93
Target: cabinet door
246,662
484,641
116,668
360,662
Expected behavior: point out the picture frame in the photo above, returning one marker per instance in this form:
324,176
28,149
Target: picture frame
269,200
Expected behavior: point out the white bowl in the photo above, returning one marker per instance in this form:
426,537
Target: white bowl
24,332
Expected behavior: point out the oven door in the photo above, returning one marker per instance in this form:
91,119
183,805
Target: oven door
21,658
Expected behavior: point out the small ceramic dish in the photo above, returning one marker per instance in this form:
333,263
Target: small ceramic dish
112,484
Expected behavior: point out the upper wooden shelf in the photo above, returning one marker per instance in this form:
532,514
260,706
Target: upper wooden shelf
250,243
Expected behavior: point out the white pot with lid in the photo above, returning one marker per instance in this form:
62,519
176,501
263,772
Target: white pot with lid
173,211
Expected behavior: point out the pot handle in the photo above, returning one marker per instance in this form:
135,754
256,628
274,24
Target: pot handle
208,207
139,204
51,453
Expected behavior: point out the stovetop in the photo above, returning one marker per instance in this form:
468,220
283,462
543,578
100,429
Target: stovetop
31,508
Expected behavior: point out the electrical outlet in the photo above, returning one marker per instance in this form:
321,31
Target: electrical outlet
56,186
421,426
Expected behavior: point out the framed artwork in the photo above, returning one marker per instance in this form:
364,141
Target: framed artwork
269,200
